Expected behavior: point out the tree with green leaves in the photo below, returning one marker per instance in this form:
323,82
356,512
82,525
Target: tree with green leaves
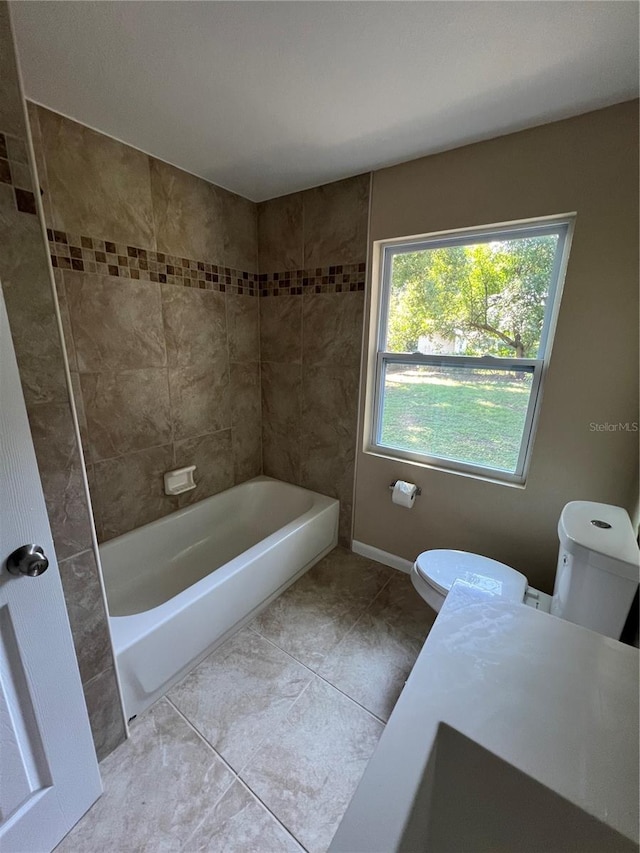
489,296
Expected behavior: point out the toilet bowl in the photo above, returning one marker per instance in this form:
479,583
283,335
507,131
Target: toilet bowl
435,572
596,575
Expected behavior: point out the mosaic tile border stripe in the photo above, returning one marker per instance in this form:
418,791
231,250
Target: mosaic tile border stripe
341,278
15,171
104,257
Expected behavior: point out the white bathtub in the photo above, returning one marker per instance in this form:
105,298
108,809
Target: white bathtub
180,585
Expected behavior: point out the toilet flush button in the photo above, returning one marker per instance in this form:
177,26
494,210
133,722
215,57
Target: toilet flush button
604,525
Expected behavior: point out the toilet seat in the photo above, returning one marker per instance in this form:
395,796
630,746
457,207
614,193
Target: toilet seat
440,569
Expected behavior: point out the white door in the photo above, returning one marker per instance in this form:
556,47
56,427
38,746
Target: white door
48,769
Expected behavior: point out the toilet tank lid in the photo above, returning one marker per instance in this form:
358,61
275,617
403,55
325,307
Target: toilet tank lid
601,529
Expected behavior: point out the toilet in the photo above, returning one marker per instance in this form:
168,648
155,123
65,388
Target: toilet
596,576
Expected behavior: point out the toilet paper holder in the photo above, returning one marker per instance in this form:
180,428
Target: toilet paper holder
393,485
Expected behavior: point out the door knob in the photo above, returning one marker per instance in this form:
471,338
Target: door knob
30,560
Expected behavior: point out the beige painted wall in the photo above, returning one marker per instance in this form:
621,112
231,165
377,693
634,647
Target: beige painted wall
588,164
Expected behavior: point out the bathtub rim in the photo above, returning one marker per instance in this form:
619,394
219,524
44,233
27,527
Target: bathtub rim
127,630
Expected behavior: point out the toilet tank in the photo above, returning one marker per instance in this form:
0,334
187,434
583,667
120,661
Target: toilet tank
598,567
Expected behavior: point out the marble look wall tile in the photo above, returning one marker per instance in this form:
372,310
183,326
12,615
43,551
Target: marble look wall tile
97,185
195,325
247,451
280,234
40,162
282,395
345,520
309,767
328,468
94,496
145,795
11,115
67,333
61,473
245,393
21,176
310,618
332,325
117,325
330,401
239,822
329,411
280,452
281,329
187,214
126,411
130,489
213,457
200,399
239,693
26,285
240,224
105,714
30,299
335,222
87,615
243,328
329,420
76,389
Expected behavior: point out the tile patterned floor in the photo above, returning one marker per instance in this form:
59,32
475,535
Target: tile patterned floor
261,747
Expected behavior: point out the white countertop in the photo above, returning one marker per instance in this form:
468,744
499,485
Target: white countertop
553,699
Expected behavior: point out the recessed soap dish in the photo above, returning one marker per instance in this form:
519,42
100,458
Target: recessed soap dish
179,481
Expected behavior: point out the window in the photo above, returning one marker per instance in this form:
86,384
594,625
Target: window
465,324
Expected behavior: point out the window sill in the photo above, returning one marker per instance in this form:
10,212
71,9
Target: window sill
486,478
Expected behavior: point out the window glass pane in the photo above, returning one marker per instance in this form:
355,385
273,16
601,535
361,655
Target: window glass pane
480,298
468,414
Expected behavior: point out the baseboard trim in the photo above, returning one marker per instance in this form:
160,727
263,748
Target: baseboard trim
380,556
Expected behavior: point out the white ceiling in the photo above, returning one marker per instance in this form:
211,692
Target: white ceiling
266,98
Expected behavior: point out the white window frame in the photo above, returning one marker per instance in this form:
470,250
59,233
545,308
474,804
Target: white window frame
384,252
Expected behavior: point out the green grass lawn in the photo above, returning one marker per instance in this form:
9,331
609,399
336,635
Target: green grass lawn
465,415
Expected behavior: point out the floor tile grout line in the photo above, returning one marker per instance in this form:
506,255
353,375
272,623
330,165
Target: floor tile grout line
357,619
322,678
302,692
273,814
236,773
235,778
306,673
407,634
362,615
200,735
326,680
351,699
266,737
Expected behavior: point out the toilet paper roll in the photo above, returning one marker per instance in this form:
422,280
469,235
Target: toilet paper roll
404,494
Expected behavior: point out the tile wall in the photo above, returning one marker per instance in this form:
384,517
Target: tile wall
191,316
312,248
156,272
28,293
175,360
